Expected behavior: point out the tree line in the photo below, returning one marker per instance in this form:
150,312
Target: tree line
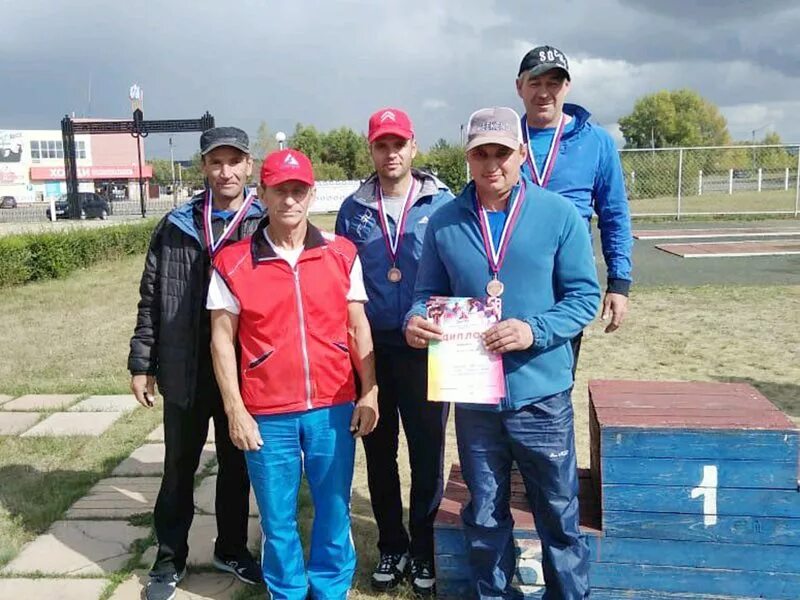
665,119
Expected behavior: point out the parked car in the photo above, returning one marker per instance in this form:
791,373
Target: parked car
8,202
92,206
741,174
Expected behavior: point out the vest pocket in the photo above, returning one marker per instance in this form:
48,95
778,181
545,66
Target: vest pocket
342,346
257,361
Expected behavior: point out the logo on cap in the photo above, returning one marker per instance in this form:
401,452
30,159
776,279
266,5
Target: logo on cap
388,115
291,161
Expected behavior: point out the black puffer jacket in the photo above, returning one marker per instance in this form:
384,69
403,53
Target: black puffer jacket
170,340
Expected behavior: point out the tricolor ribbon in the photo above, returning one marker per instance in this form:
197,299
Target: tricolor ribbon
212,245
497,255
550,160
393,242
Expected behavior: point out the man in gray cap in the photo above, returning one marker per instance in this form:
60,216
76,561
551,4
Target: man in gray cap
528,247
171,345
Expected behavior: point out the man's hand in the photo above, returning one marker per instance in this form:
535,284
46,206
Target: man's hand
615,306
420,331
244,431
144,389
508,336
365,414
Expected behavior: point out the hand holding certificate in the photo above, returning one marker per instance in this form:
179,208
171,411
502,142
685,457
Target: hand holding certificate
460,368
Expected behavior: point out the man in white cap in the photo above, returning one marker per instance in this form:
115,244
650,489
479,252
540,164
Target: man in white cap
507,238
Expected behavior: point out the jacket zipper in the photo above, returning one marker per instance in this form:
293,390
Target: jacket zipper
303,343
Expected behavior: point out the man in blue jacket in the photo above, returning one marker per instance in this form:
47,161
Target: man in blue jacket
570,156
386,219
504,236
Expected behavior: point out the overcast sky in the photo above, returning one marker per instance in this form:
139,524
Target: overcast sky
331,63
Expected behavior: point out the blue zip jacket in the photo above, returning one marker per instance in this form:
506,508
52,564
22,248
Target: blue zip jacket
549,276
183,216
588,172
359,221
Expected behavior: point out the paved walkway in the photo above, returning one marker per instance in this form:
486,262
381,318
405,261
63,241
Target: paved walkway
102,533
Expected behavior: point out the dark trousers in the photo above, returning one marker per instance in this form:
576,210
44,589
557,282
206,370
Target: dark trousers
540,439
402,375
185,433
576,352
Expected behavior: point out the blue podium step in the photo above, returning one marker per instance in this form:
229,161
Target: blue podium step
692,493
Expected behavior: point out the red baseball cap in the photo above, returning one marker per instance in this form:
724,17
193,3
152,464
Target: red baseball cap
286,165
390,121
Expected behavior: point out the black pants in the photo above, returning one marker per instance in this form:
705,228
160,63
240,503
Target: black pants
576,352
185,432
402,375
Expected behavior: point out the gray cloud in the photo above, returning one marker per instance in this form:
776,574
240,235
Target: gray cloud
333,63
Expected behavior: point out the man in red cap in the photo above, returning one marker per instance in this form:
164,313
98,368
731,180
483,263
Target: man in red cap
386,219
292,300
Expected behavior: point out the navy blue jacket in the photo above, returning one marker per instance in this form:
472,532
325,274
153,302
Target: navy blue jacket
359,221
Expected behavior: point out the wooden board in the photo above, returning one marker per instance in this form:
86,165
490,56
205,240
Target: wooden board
755,474
684,405
675,234
731,249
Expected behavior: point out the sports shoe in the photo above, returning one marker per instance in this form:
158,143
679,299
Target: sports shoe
243,567
390,571
162,585
423,578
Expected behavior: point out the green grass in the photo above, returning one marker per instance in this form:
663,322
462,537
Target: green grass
717,203
72,336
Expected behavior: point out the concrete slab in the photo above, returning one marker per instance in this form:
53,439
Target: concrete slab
149,460
65,423
196,586
206,492
78,548
117,498
5,398
41,402
12,423
157,435
123,404
47,589
204,532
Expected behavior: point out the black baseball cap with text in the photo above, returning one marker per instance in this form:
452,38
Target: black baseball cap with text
542,59
224,136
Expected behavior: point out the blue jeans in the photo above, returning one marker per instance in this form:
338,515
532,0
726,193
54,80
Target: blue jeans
540,438
318,442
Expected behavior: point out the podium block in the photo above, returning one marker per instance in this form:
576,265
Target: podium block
692,493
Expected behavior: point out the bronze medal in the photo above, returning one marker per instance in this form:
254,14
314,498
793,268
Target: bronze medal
495,288
394,275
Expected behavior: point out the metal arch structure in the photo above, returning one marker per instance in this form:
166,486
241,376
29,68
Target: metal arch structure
137,127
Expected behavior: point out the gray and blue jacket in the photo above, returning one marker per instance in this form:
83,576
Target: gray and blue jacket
359,221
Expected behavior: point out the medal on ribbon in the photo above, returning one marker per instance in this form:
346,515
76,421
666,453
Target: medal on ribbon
497,256
542,178
393,241
212,244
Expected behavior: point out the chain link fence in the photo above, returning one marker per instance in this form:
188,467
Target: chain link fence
710,181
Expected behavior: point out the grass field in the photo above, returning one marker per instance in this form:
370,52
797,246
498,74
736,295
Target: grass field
738,202
71,336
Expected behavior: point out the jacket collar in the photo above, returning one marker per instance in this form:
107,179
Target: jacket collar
261,249
366,194
581,116
183,216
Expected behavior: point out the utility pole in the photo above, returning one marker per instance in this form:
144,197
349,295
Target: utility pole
172,167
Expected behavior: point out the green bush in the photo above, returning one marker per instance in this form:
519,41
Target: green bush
33,257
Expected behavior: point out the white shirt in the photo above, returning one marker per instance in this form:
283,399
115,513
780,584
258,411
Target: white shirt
220,296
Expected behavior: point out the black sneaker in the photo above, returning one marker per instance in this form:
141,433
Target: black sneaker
390,571
243,567
423,578
162,585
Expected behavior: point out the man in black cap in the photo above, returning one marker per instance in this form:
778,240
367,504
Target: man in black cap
171,345
579,160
